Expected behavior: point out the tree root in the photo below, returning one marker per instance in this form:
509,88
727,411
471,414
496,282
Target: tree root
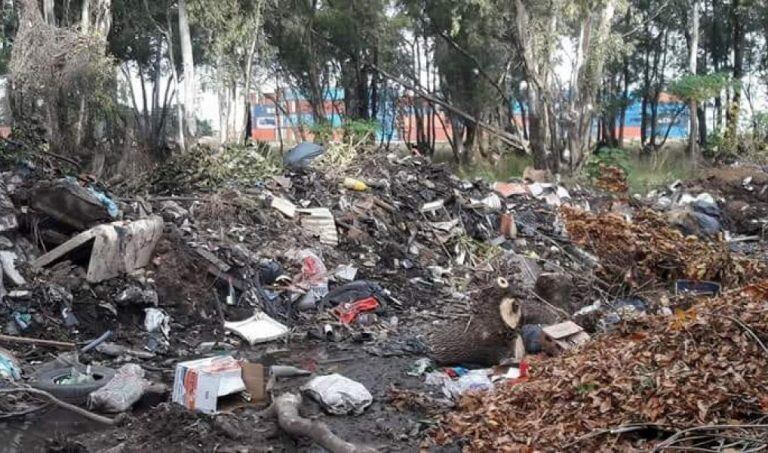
286,409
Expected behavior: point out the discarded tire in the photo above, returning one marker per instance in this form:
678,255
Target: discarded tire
75,393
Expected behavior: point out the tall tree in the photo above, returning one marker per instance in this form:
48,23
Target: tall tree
234,35
187,57
693,50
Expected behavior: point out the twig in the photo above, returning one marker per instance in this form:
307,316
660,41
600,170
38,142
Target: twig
544,301
37,341
87,414
750,332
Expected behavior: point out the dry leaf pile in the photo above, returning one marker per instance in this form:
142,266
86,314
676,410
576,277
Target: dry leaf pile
648,250
702,366
612,179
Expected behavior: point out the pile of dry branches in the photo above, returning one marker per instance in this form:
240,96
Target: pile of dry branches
705,366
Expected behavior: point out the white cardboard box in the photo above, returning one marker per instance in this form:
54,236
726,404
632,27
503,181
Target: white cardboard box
198,384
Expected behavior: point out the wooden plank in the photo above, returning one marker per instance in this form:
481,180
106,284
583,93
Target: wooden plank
562,330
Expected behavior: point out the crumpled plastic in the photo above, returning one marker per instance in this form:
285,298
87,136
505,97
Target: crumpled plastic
157,320
473,381
122,392
9,366
339,395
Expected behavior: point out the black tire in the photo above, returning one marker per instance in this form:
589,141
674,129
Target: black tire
76,393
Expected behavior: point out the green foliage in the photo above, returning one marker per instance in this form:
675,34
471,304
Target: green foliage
230,28
204,128
359,131
699,88
203,169
609,157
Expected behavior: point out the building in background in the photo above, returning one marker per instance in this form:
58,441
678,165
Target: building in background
285,116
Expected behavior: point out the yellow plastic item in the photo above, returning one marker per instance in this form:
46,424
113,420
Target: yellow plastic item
355,184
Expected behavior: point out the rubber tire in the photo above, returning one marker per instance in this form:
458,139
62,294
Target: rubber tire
73,394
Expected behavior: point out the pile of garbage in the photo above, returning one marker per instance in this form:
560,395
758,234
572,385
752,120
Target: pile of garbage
223,284
636,387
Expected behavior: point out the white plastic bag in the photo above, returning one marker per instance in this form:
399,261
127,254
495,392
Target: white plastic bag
122,392
339,395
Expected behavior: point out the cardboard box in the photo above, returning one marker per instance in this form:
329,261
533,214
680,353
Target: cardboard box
562,337
198,384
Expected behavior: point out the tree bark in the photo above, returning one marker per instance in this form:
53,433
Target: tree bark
286,409
734,109
49,14
693,133
188,62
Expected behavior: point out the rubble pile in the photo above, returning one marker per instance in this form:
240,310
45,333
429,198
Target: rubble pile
703,366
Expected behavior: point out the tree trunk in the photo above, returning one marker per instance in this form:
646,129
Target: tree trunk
49,14
734,109
187,58
488,338
85,16
693,133
590,75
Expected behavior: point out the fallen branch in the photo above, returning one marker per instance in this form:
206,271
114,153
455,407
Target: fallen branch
38,342
70,407
286,408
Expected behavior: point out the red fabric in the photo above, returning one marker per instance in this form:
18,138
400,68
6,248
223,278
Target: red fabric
347,313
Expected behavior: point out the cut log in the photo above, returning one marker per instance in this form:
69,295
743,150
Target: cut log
287,410
511,312
485,339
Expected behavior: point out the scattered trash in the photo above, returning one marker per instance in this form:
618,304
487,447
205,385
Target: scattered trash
8,260
353,292
198,384
562,337
508,189
118,248
283,371
136,295
697,288
508,227
348,312
69,203
121,392
116,350
284,206
339,395
345,272
419,367
319,222
472,381
355,184
532,338
107,202
300,156
157,320
259,328
9,366
432,206
72,383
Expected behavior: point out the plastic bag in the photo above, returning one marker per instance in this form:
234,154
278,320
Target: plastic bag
473,381
339,395
122,392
